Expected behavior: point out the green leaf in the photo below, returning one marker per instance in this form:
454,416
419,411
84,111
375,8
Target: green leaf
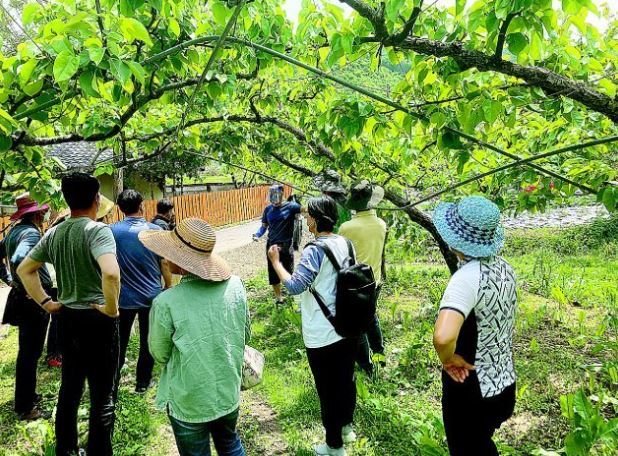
609,199
393,7
516,42
492,110
459,6
30,12
33,88
220,12
25,72
65,66
174,27
132,30
128,7
87,82
450,140
96,54
5,142
138,71
120,70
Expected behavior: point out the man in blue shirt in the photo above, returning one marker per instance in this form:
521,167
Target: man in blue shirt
140,281
278,219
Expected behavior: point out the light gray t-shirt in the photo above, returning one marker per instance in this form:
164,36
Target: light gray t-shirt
73,248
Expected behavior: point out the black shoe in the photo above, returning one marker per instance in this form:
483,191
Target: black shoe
33,415
143,387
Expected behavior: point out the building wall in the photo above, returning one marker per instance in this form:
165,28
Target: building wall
148,190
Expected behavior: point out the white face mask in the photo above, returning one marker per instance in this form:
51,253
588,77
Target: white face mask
46,217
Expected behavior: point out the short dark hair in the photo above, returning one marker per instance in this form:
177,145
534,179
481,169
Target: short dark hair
164,206
80,190
129,201
324,210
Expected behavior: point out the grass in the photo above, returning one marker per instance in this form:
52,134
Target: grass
566,350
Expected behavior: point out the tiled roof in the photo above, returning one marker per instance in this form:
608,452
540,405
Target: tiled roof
80,155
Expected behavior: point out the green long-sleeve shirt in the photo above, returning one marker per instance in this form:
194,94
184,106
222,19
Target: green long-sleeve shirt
198,330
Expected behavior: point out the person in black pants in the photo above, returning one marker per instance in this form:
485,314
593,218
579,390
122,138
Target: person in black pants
83,253
141,275
22,311
473,335
331,357
279,220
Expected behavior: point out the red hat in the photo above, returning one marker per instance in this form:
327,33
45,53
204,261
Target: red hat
26,205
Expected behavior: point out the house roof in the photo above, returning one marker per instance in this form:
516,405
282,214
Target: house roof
80,156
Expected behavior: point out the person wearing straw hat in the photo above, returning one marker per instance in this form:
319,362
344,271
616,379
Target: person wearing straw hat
368,234
198,331
83,253
473,334
279,219
21,310
141,276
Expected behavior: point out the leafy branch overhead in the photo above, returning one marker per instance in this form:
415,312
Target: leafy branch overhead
484,83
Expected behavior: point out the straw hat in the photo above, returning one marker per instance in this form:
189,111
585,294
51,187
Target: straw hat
105,207
471,226
189,246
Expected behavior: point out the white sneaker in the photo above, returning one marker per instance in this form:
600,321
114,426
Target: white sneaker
324,450
347,434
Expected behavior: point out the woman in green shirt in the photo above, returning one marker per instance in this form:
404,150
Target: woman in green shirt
198,331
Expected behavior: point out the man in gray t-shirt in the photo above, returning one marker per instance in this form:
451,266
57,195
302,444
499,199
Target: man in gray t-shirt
83,253
74,247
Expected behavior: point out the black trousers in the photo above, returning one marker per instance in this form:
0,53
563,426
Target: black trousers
333,372
471,420
372,339
90,353
145,362
286,256
32,330
53,338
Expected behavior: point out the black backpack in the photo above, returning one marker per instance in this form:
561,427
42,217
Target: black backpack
355,303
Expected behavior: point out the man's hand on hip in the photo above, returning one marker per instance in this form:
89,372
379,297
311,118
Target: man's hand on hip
112,313
52,307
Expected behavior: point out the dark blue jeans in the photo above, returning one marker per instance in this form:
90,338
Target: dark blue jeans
193,439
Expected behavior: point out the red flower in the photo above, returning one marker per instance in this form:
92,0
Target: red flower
530,188
552,185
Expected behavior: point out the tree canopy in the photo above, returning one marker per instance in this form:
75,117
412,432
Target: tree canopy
412,95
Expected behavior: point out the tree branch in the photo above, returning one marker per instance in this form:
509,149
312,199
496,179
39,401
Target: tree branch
409,25
100,22
373,15
502,35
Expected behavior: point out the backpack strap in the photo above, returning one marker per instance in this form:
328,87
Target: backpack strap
327,313
329,253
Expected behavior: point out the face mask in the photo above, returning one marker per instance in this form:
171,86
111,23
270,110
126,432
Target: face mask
275,197
46,217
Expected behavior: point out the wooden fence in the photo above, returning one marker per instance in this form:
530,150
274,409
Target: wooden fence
217,208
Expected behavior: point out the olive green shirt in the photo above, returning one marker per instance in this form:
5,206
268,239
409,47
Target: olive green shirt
73,248
198,331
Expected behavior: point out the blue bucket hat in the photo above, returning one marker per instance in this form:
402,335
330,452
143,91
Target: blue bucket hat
471,226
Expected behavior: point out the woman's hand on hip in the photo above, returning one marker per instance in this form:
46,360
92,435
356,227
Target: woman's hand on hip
458,368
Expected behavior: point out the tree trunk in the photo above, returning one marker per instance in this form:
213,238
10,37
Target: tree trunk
118,183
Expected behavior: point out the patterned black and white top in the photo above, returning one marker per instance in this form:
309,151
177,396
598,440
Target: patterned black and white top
485,293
